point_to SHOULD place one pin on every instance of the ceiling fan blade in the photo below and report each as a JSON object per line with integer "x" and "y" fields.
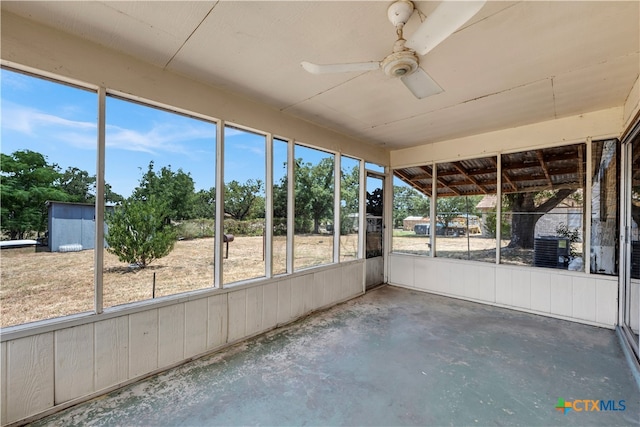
{"x": 442, "y": 22}
{"x": 421, "y": 84}
{"x": 339, "y": 68}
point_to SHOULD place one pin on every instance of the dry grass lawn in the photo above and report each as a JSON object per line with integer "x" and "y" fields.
{"x": 43, "y": 285}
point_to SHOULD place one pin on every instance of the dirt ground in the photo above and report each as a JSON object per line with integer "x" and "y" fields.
{"x": 43, "y": 285}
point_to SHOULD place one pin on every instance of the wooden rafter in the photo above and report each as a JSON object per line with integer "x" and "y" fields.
{"x": 543, "y": 165}
{"x": 463, "y": 171}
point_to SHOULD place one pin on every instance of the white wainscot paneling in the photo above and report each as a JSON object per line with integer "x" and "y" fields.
{"x": 521, "y": 278}
{"x": 541, "y": 291}
{"x": 297, "y": 298}
{"x": 423, "y": 277}
{"x": 456, "y": 273}
{"x": 143, "y": 342}
{"x": 237, "y": 314}
{"x": 561, "y": 295}
{"x": 485, "y": 287}
{"x": 318, "y": 288}
{"x": 29, "y": 376}
{"x": 468, "y": 275}
{"x": 3, "y": 383}
{"x": 284, "y": 301}
{"x": 307, "y": 284}
{"x": 443, "y": 276}
{"x": 270, "y": 305}
{"x": 606, "y": 301}
{"x": 170, "y": 334}
{"x": 255, "y": 305}
{"x": 195, "y": 327}
{"x": 635, "y": 305}
{"x": 332, "y": 286}
{"x": 504, "y": 285}
{"x": 401, "y": 270}
{"x": 584, "y": 298}
{"x": 218, "y": 319}
{"x": 111, "y": 352}
{"x": 74, "y": 374}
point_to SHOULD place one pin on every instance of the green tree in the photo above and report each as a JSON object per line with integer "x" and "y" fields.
{"x": 408, "y": 201}
{"x": 314, "y": 191}
{"x": 241, "y": 201}
{"x": 449, "y": 208}
{"x": 138, "y": 232}
{"x": 175, "y": 188}
{"x": 204, "y": 205}
{"x": 78, "y": 185}
{"x": 527, "y": 209}
{"x": 28, "y": 181}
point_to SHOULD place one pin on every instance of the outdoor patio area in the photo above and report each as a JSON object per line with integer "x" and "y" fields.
{"x": 391, "y": 357}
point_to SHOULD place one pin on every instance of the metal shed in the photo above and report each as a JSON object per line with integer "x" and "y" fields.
{"x": 71, "y": 226}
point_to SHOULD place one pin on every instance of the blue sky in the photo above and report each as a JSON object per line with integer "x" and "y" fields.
{"x": 60, "y": 122}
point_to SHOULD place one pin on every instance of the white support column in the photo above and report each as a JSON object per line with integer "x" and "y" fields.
{"x": 268, "y": 228}
{"x": 219, "y": 225}
{"x": 337, "y": 179}
{"x": 432, "y": 210}
{"x": 99, "y": 204}
{"x": 387, "y": 219}
{"x": 498, "y": 207}
{"x": 362, "y": 211}
{"x": 290, "y": 204}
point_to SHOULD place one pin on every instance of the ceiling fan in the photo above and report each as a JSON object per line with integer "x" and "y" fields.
{"x": 403, "y": 62}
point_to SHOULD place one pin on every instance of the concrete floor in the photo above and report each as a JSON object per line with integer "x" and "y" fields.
{"x": 392, "y": 357}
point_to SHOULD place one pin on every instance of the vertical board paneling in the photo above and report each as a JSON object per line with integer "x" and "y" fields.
{"x": 443, "y": 276}
{"x": 486, "y": 284}
{"x": 561, "y": 289}
{"x": 521, "y": 288}
{"x": 401, "y": 271}
{"x": 195, "y": 327}
{"x": 3, "y": 383}
{"x": 307, "y": 292}
{"x": 541, "y": 291}
{"x": 584, "y": 298}
{"x": 30, "y": 379}
{"x": 284, "y": 301}
{"x": 170, "y": 334}
{"x": 270, "y": 305}
{"x": 111, "y": 352}
{"x": 332, "y": 286}
{"x": 422, "y": 276}
{"x": 297, "y": 298}
{"x": 504, "y": 286}
{"x": 456, "y": 277}
{"x": 255, "y": 304}
{"x": 237, "y": 314}
{"x": 319, "y": 282}
{"x": 469, "y": 275}
{"x": 606, "y": 301}
{"x": 349, "y": 277}
{"x": 143, "y": 342}
{"x": 217, "y": 332}
{"x": 74, "y": 374}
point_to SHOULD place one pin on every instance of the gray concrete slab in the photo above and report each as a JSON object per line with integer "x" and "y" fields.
{"x": 392, "y": 357}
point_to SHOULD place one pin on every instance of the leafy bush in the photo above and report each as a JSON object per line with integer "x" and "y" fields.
{"x": 196, "y": 228}
{"x": 138, "y": 232}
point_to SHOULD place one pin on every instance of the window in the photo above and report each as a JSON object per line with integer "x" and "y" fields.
{"x": 314, "y": 201}
{"x": 465, "y": 209}
{"x": 244, "y": 205}
{"x": 160, "y": 171}
{"x": 49, "y": 136}
{"x": 411, "y": 211}
{"x": 542, "y": 207}
{"x": 349, "y": 207}
{"x": 604, "y": 206}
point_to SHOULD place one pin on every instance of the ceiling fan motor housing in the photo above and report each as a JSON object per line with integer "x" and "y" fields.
{"x": 400, "y": 64}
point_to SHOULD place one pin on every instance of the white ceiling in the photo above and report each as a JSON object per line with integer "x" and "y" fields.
{"x": 512, "y": 64}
